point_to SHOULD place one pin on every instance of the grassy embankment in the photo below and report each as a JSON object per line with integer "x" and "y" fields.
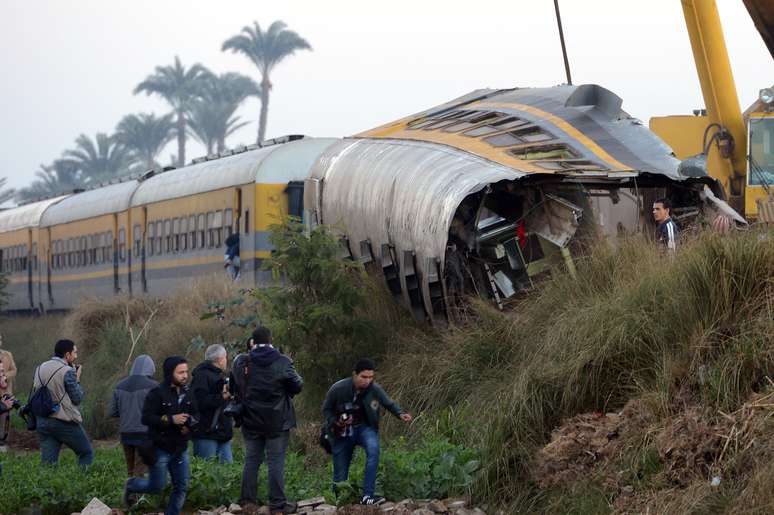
{"x": 689, "y": 342}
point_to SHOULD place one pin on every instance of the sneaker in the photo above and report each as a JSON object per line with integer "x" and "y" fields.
{"x": 291, "y": 507}
{"x": 372, "y": 500}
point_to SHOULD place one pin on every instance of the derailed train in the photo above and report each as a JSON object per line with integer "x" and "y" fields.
{"x": 480, "y": 194}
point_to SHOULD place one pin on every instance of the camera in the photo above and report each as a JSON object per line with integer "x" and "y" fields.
{"x": 29, "y": 419}
{"x": 16, "y": 404}
{"x": 191, "y": 422}
{"x": 344, "y": 417}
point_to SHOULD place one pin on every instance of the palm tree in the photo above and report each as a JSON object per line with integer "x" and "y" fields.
{"x": 145, "y": 135}
{"x": 178, "y": 86}
{"x": 99, "y": 160}
{"x": 266, "y": 50}
{"x": 61, "y": 176}
{"x": 5, "y": 195}
{"x": 211, "y": 118}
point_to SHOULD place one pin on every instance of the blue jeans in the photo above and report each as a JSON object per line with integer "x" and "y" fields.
{"x": 366, "y": 437}
{"x": 207, "y": 449}
{"x": 54, "y": 432}
{"x": 177, "y": 465}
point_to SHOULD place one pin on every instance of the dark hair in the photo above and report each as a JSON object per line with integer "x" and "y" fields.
{"x": 261, "y": 335}
{"x": 665, "y": 203}
{"x": 62, "y": 347}
{"x": 364, "y": 364}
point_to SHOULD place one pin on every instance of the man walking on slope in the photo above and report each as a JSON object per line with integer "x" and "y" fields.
{"x": 667, "y": 231}
{"x": 170, "y": 412}
{"x": 62, "y": 426}
{"x": 126, "y": 403}
{"x": 351, "y": 412}
{"x": 265, "y": 382}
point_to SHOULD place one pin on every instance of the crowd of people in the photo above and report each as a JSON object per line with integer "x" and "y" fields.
{"x": 203, "y": 405}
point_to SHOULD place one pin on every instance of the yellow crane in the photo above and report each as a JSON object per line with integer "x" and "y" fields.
{"x": 734, "y": 147}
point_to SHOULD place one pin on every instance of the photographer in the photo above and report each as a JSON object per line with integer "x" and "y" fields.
{"x": 265, "y": 381}
{"x": 170, "y": 412}
{"x": 212, "y": 436}
{"x": 62, "y": 378}
{"x": 351, "y": 412}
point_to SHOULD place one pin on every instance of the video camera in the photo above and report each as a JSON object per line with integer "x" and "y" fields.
{"x": 16, "y": 404}
{"x": 344, "y": 413}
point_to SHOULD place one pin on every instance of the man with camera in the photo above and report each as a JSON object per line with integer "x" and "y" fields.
{"x": 212, "y": 436}
{"x": 63, "y": 423}
{"x": 351, "y": 412}
{"x": 170, "y": 412}
{"x": 265, "y": 382}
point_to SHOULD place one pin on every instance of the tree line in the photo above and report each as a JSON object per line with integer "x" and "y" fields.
{"x": 203, "y": 106}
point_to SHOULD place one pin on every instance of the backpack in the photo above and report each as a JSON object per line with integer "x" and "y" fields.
{"x": 264, "y": 403}
{"x": 41, "y": 404}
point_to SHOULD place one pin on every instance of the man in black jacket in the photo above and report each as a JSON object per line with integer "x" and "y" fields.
{"x": 170, "y": 412}
{"x": 212, "y": 435}
{"x": 265, "y": 382}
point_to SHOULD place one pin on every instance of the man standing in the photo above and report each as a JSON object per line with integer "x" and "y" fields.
{"x": 351, "y": 412}
{"x": 6, "y": 358}
{"x": 6, "y": 405}
{"x": 212, "y": 435}
{"x": 63, "y": 426}
{"x": 126, "y": 403}
{"x": 169, "y": 412}
{"x": 667, "y": 231}
{"x": 266, "y": 382}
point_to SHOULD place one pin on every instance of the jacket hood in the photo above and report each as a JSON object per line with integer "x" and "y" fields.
{"x": 208, "y": 365}
{"x": 143, "y": 366}
{"x": 264, "y": 355}
{"x": 169, "y": 366}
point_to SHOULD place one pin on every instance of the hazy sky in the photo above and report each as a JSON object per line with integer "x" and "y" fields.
{"x": 69, "y": 67}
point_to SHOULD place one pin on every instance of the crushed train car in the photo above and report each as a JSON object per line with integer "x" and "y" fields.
{"x": 484, "y": 193}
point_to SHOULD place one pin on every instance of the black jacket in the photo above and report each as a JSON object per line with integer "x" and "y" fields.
{"x": 161, "y": 403}
{"x": 207, "y": 387}
{"x": 265, "y": 382}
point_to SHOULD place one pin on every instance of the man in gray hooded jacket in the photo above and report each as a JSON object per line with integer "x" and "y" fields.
{"x": 126, "y": 403}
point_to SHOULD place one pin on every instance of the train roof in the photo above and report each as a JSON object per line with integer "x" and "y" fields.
{"x": 28, "y": 215}
{"x": 541, "y": 130}
{"x": 108, "y": 199}
{"x": 242, "y": 168}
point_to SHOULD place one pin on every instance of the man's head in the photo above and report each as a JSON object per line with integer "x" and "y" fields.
{"x": 66, "y": 350}
{"x": 176, "y": 370}
{"x": 217, "y": 355}
{"x": 261, "y": 335}
{"x": 662, "y": 209}
{"x": 363, "y": 373}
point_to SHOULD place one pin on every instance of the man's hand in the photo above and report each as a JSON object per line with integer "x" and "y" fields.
{"x": 78, "y": 369}
{"x": 8, "y": 403}
{"x": 180, "y": 418}
{"x": 226, "y": 393}
{"x": 406, "y": 417}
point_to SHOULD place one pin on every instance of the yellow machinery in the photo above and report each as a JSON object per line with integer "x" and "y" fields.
{"x": 734, "y": 147}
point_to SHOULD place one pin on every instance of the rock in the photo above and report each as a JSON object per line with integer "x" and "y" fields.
{"x": 387, "y": 506}
{"x": 314, "y": 501}
{"x": 422, "y": 511}
{"x": 436, "y": 506}
{"x": 235, "y": 508}
{"x": 477, "y": 511}
{"x": 220, "y": 510}
{"x": 324, "y": 507}
{"x": 205, "y": 512}
{"x": 96, "y": 507}
{"x": 455, "y": 504}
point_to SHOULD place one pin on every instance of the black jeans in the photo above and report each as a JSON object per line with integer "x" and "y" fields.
{"x": 274, "y": 447}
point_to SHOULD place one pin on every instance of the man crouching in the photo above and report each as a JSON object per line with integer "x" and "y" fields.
{"x": 351, "y": 412}
{"x": 170, "y": 412}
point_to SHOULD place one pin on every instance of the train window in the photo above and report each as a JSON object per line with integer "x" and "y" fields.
{"x": 109, "y": 249}
{"x": 217, "y": 229}
{"x": 504, "y": 140}
{"x": 151, "y": 236}
{"x": 210, "y": 224}
{"x": 202, "y": 229}
{"x": 137, "y": 237}
{"x": 176, "y": 235}
{"x": 247, "y": 221}
{"x": 228, "y": 223}
{"x": 183, "y": 235}
{"x": 122, "y": 244}
{"x": 34, "y": 256}
{"x": 159, "y": 236}
{"x": 84, "y": 250}
{"x": 168, "y": 235}
{"x": 192, "y": 232}
{"x": 69, "y": 248}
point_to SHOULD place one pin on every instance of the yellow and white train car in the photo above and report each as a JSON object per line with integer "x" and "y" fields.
{"x": 151, "y": 234}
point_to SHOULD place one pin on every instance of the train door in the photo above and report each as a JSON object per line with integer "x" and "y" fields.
{"x": 28, "y": 269}
{"x": 146, "y": 242}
